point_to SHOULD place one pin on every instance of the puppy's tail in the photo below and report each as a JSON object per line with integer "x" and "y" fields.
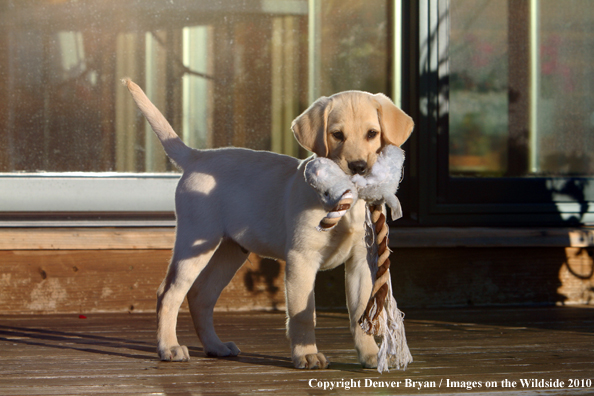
{"x": 175, "y": 148}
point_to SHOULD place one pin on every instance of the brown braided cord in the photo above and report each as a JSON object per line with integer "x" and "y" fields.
{"x": 368, "y": 320}
{"x": 334, "y": 216}
{"x": 381, "y": 318}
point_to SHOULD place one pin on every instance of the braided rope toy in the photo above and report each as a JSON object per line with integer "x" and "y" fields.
{"x": 369, "y": 320}
{"x": 381, "y": 317}
{"x": 334, "y": 216}
{"x": 337, "y": 191}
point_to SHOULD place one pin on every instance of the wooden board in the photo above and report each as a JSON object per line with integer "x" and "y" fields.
{"x": 417, "y": 237}
{"x": 118, "y": 270}
{"x": 82, "y": 281}
{"x": 86, "y": 238}
{"x": 115, "y": 354}
{"x": 93, "y": 238}
{"x": 492, "y": 276}
{"x": 56, "y": 281}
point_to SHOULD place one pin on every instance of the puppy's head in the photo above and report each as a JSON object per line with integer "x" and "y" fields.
{"x": 351, "y": 128}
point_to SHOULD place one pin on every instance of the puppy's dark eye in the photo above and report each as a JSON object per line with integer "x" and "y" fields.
{"x": 371, "y": 134}
{"x": 338, "y": 136}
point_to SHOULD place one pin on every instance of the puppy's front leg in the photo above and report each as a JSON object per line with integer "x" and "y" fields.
{"x": 358, "y": 292}
{"x": 300, "y": 275}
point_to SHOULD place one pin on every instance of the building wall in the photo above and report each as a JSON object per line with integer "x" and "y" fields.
{"x": 117, "y": 270}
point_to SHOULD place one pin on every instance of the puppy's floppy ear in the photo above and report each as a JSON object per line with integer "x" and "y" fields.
{"x": 396, "y": 124}
{"x": 310, "y": 127}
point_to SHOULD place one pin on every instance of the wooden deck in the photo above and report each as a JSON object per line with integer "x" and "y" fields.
{"x": 454, "y": 349}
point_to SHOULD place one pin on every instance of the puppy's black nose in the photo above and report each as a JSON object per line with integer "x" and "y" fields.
{"x": 358, "y": 167}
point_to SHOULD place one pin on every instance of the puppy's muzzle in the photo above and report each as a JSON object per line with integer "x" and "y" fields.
{"x": 358, "y": 167}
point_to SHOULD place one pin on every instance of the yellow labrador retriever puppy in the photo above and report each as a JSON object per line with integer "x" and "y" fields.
{"x": 232, "y": 201}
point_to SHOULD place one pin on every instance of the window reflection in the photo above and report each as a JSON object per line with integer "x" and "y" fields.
{"x": 520, "y": 88}
{"x": 565, "y": 139}
{"x": 223, "y": 73}
{"x": 478, "y": 87}
{"x": 354, "y": 51}
{"x": 229, "y": 72}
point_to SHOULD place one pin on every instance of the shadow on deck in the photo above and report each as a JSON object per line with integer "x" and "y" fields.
{"x": 455, "y": 350}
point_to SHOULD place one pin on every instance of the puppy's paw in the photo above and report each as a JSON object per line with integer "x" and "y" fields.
{"x": 311, "y": 361}
{"x": 177, "y": 353}
{"x": 368, "y": 360}
{"x": 366, "y": 348}
{"x": 234, "y": 351}
{"x": 226, "y": 349}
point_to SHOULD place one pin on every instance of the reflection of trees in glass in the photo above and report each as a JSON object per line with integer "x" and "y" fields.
{"x": 485, "y": 41}
{"x": 354, "y": 50}
{"x": 477, "y": 146}
{"x": 61, "y": 62}
{"x": 478, "y": 125}
{"x": 478, "y": 88}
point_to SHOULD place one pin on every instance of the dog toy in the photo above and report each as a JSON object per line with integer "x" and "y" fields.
{"x": 381, "y": 317}
{"x": 383, "y": 180}
{"x": 337, "y": 193}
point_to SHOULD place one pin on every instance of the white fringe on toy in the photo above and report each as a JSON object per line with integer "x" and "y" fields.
{"x": 394, "y": 350}
{"x": 389, "y": 325}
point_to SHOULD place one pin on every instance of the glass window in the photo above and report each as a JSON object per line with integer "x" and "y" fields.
{"x": 225, "y": 73}
{"x": 354, "y": 52}
{"x": 521, "y": 86}
{"x": 221, "y": 73}
{"x": 478, "y": 87}
{"x": 505, "y": 112}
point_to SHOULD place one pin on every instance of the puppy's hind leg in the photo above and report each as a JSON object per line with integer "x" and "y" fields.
{"x": 187, "y": 263}
{"x": 205, "y": 292}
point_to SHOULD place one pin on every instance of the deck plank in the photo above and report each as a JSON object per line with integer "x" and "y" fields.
{"x": 115, "y": 354}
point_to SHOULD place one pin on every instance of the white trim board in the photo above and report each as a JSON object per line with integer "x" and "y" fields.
{"x": 87, "y": 192}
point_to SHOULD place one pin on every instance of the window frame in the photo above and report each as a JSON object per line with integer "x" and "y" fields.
{"x": 115, "y": 198}
{"x": 467, "y": 201}
{"x": 419, "y": 81}
{"x": 84, "y": 198}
